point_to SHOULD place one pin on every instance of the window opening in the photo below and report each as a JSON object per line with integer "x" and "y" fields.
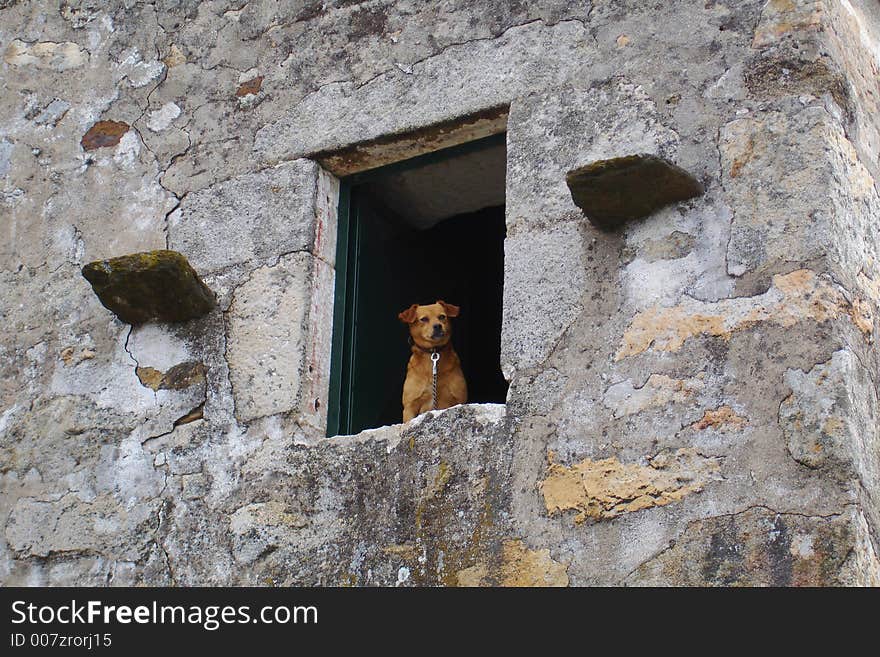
{"x": 417, "y": 231}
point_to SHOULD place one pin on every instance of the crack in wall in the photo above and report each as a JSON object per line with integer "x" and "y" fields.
{"x": 127, "y": 350}
{"x": 725, "y": 192}
{"x": 226, "y": 323}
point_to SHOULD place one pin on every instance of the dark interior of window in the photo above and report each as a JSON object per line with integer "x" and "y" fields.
{"x": 418, "y": 231}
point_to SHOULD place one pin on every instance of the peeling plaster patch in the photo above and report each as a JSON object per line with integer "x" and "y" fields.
{"x": 178, "y": 377}
{"x": 802, "y": 546}
{"x": 608, "y": 488}
{"x": 722, "y": 418}
{"x": 138, "y": 72}
{"x": 660, "y": 264}
{"x": 152, "y": 345}
{"x": 799, "y": 295}
{"x": 175, "y": 57}
{"x": 52, "y": 113}
{"x": 248, "y": 92}
{"x": 71, "y": 358}
{"x": 12, "y": 198}
{"x": 249, "y": 87}
{"x": 872, "y": 285}
{"x": 46, "y": 55}
{"x": 473, "y": 576}
{"x": 523, "y": 567}
{"x": 127, "y": 150}
{"x": 519, "y": 567}
{"x": 163, "y": 117}
{"x": 103, "y": 134}
{"x": 659, "y": 390}
{"x": 6, "y": 148}
{"x": 671, "y": 247}
{"x": 80, "y": 14}
{"x": 782, "y": 17}
{"x": 6, "y": 418}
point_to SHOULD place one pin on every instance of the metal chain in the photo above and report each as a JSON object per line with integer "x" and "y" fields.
{"x": 434, "y": 358}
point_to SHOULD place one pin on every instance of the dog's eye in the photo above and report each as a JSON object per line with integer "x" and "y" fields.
{"x": 442, "y": 317}
{"x": 424, "y": 319}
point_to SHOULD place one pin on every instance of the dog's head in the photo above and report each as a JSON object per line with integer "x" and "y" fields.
{"x": 429, "y": 325}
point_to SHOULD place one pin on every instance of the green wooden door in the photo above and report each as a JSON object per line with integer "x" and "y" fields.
{"x": 371, "y": 352}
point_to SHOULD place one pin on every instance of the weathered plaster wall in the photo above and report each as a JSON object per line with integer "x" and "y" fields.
{"x": 694, "y": 398}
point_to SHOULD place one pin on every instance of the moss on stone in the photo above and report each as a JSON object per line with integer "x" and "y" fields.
{"x": 156, "y": 286}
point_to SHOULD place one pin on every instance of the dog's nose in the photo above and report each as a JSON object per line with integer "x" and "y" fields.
{"x": 438, "y": 329}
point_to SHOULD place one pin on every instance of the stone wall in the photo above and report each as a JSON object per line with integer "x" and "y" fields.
{"x": 694, "y": 398}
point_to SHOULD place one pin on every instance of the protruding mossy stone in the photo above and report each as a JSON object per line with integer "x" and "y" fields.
{"x": 156, "y": 286}
{"x": 613, "y": 191}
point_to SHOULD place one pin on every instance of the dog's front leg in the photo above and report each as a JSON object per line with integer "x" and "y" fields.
{"x": 417, "y": 407}
{"x": 409, "y": 412}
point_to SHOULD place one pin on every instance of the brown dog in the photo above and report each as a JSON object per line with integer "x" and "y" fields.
{"x": 430, "y": 331}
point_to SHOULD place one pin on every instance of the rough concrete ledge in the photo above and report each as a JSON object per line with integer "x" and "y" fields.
{"x": 419, "y": 504}
{"x": 482, "y": 414}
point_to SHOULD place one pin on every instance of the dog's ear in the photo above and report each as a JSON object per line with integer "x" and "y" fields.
{"x": 451, "y": 310}
{"x": 408, "y": 316}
